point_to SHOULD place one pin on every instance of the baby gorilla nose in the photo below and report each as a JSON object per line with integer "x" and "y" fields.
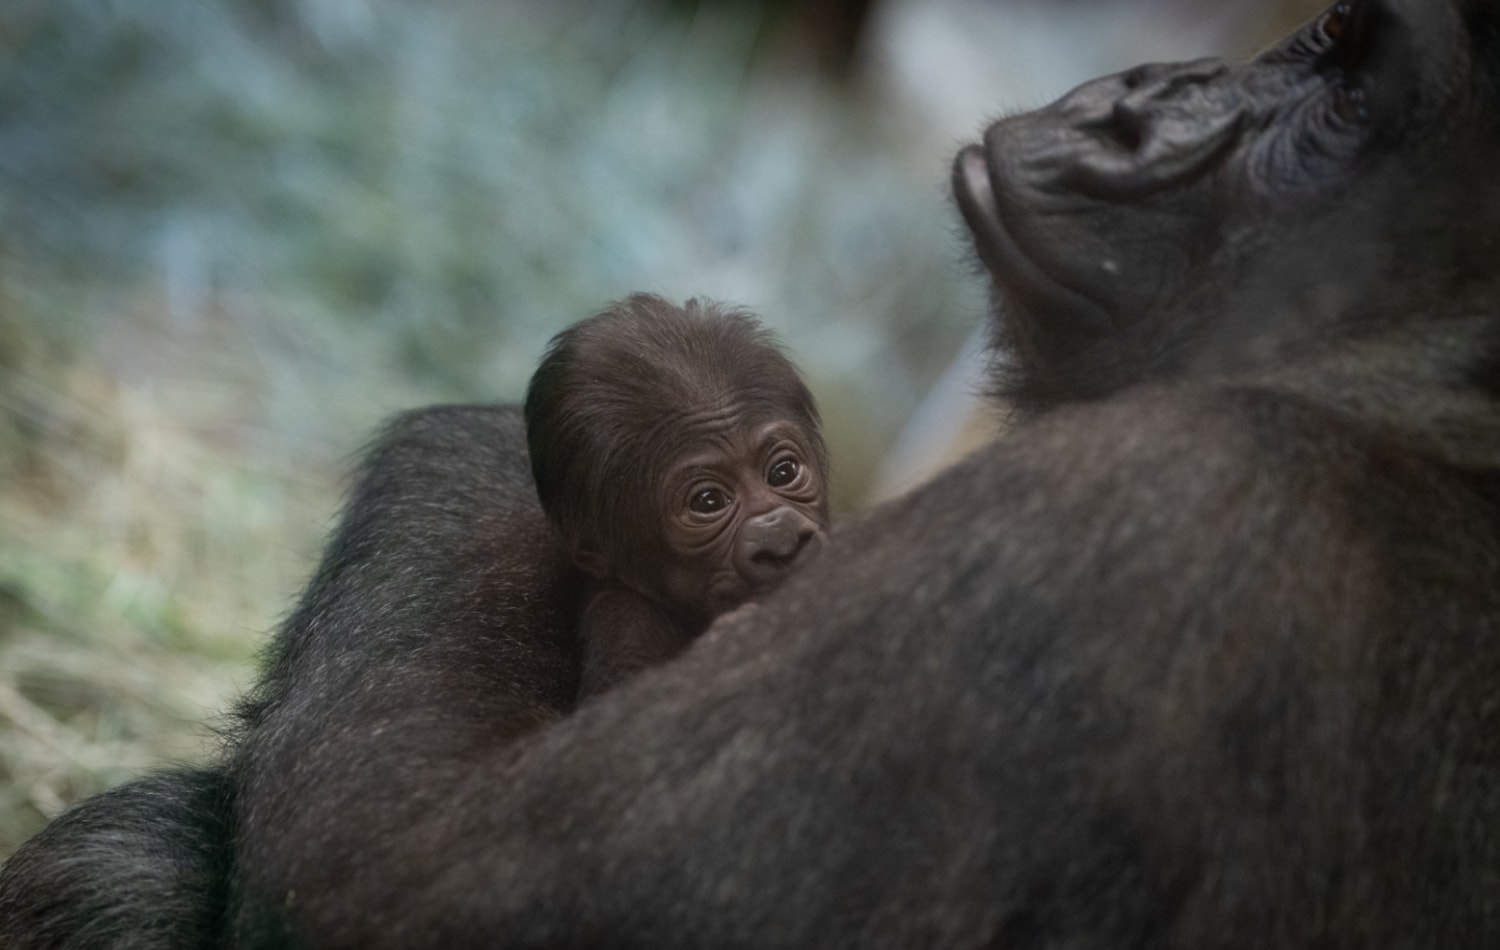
{"x": 772, "y": 542}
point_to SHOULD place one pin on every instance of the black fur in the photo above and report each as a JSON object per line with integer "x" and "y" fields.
{"x": 1202, "y": 653}
{"x": 140, "y": 867}
{"x": 438, "y": 629}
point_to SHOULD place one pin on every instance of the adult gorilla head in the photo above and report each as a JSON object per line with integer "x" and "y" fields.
{"x": 1204, "y": 216}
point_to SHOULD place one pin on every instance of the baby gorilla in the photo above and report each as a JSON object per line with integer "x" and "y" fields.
{"x": 677, "y": 452}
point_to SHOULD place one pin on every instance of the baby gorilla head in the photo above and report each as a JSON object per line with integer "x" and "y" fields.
{"x": 678, "y": 454}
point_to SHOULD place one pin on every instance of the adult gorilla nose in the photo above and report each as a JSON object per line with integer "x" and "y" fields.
{"x": 1168, "y": 96}
{"x": 1138, "y": 132}
{"x": 772, "y": 542}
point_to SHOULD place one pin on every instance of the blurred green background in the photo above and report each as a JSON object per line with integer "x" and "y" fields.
{"x": 236, "y": 234}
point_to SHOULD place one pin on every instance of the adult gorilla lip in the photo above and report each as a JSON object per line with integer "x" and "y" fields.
{"x": 976, "y": 201}
{"x": 1015, "y": 271}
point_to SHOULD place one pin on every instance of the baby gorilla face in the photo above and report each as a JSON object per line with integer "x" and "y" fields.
{"x": 677, "y": 452}
{"x": 740, "y": 505}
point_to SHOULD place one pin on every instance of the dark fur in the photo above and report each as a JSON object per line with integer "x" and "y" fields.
{"x": 437, "y": 631}
{"x": 621, "y": 633}
{"x": 607, "y": 412}
{"x": 1203, "y": 655}
{"x": 604, "y": 405}
{"x": 140, "y": 867}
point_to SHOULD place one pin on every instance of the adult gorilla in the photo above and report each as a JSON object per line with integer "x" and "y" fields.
{"x": 1202, "y": 654}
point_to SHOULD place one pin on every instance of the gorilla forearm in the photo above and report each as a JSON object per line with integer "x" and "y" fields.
{"x": 144, "y": 866}
{"x": 441, "y": 557}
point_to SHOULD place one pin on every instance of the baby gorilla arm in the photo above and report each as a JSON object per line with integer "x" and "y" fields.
{"x": 622, "y": 633}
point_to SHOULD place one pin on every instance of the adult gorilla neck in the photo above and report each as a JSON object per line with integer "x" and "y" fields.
{"x": 1431, "y": 386}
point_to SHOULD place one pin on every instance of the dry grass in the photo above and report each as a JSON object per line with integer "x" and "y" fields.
{"x": 139, "y": 564}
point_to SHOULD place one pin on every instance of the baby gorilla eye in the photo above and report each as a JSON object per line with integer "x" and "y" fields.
{"x": 708, "y": 501}
{"x": 783, "y": 473}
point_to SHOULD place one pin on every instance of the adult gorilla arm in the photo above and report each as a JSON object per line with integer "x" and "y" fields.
{"x": 437, "y": 629}
{"x": 1223, "y": 744}
{"x": 144, "y": 866}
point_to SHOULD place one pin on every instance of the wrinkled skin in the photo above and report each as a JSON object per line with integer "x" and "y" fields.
{"x": 1256, "y": 200}
{"x": 678, "y": 454}
{"x": 739, "y": 505}
{"x": 1202, "y": 653}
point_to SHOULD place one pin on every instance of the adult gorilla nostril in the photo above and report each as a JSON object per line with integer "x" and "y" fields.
{"x": 1136, "y": 78}
{"x": 1129, "y": 123}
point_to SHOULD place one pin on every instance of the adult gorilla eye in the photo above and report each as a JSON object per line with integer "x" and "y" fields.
{"x": 708, "y": 501}
{"x": 1336, "y": 21}
{"x": 1349, "y": 104}
{"x": 783, "y": 473}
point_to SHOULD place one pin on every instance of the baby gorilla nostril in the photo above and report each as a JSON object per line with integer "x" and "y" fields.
{"x": 772, "y": 535}
{"x": 783, "y": 549}
{"x": 770, "y": 543}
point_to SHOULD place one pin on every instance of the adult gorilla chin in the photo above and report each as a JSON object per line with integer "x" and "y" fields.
{"x": 1202, "y": 654}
